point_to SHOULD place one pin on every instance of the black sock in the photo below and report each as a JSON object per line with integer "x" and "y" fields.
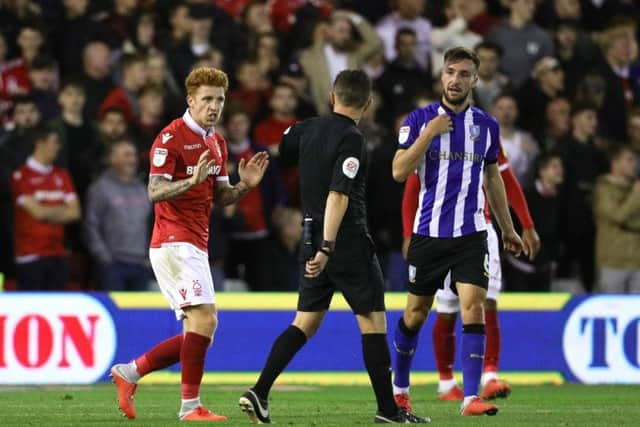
{"x": 284, "y": 348}
{"x": 378, "y": 362}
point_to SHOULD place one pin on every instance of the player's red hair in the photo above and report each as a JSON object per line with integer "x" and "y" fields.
{"x": 205, "y": 76}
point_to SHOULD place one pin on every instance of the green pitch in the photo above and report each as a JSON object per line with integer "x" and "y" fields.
{"x": 566, "y": 405}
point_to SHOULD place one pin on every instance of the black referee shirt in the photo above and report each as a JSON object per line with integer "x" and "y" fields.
{"x": 330, "y": 152}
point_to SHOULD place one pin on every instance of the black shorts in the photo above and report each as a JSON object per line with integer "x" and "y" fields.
{"x": 431, "y": 258}
{"x": 352, "y": 269}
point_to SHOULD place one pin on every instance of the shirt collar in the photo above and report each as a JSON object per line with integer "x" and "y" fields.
{"x": 449, "y": 110}
{"x": 37, "y": 166}
{"x": 344, "y": 117}
{"x": 191, "y": 123}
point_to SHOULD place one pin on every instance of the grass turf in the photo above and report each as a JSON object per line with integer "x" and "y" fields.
{"x": 548, "y": 405}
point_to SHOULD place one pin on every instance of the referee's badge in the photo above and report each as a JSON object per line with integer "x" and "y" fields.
{"x": 474, "y": 132}
{"x": 412, "y": 274}
{"x": 350, "y": 167}
{"x": 159, "y": 156}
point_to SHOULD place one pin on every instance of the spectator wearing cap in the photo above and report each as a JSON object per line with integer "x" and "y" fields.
{"x": 324, "y": 60}
{"x": 522, "y": 41}
{"x": 583, "y": 163}
{"x": 43, "y": 76}
{"x": 546, "y": 82}
{"x": 617, "y": 213}
{"x": 407, "y": 14}
{"x": 97, "y": 81}
{"x": 403, "y": 77}
{"x": 293, "y": 76}
{"x": 125, "y": 97}
{"x": 621, "y": 73}
{"x": 491, "y": 82}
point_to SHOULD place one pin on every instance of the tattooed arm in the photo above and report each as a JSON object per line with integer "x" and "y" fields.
{"x": 160, "y": 188}
{"x": 227, "y": 194}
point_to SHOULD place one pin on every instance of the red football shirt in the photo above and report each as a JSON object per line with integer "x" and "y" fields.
{"x": 174, "y": 154}
{"x": 51, "y": 186}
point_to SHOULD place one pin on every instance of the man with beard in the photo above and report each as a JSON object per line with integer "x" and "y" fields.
{"x": 453, "y": 146}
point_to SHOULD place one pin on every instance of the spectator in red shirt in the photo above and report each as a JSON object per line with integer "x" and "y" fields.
{"x": 14, "y": 79}
{"x": 45, "y": 200}
{"x": 134, "y": 77}
{"x": 249, "y": 245}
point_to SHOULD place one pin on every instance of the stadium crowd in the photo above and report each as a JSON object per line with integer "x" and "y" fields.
{"x": 85, "y": 88}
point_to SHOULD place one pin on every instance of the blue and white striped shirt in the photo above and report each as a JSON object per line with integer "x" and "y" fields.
{"x": 451, "y": 199}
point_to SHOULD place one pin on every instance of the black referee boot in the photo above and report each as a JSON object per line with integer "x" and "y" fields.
{"x": 402, "y": 417}
{"x": 256, "y": 409}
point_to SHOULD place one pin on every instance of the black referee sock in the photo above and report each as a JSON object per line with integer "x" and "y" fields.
{"x": 284, "y": 348}
{"x": 378, "y": 362}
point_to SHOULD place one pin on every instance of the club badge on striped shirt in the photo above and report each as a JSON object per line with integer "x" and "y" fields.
{"x": 474, "y": 132}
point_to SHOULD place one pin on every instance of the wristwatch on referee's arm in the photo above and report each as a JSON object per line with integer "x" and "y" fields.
{"x": 327, "y": 247}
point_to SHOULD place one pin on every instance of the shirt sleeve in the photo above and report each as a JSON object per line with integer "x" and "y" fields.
{"x": 20, "y": 187}
{"x": 408, "y": 132}
{"x": 289, "y": 145}
{"x": 410, "y": 204}
{"x": 494, "y": 142}
{"x": 224, "y": 174}
{"x": 162, "y": 158}
{"x": 348, "y": 163}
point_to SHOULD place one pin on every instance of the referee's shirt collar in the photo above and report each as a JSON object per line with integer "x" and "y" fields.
{"x": 344, "y": 117}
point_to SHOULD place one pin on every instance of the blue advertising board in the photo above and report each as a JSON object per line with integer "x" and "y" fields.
{"x": 75, "y": 337}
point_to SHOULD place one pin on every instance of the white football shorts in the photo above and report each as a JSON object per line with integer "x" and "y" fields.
{"x": 448, "y": 301}
{"x": 183, "y": 275}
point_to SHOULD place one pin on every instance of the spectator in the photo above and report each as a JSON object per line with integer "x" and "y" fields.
{"x": 293, "y": 75}
{"x": 557, "y": 124}
{"x": 634, "y": 135}
{"x": 180, "y": 25}
{"x": 323, "y": 61}
{"x": 622, "y": 79}
{"x": 16, "y": 143}
{"x": 491, "y": 82}
{"x": 143, "y": 38}
{"x": 519, "y": 145}
{"x": 523, "y": 43}
{"x": 119, "y": 20}
{"x": 44, "y": 200}
{"x": 407, "y": 14}
{"x": 253, "y": 88}
{"x": 14, "y": 79}
{"x": 284, "y": 271}
{"x": 479, "y": 19}
{"x": 546, "y": 82}
{"x": 265, "y": 54}
{"x": 617, "y": 213}
{"x": 283, "y": 104}
{"x": 43, "y": 78}
{"x": 403, "y": 77}
{"x": 117, "y": 222}
{"x": 454, "y": 33}
{"x": 545, "y": 205}
{"x": 148, "y": 125}
{"x": 583, "y": 163}
{"x": 575, "y": 51}
{"x": 30, "y": 41}
{"x": 112, "y": 127}
{"x": 159, "y": 74}
{"x": 80, "y": 148}
{"x": 125, "y": 97}
{"x": 248, "y": 246}
{"x": 195, "y": 44}
{"x": 96, "y": 65}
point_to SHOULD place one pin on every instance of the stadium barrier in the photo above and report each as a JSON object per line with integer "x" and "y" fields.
{"x": 73, "y": 338}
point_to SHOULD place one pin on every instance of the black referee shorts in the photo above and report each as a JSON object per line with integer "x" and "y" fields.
{"x": 431, "y": 258}
{"x": 352, "y": 269}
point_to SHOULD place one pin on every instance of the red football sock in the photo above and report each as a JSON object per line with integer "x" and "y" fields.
{"x": 492, "y": 351}
{"x": 444, "y": 346}
{"x": 192, "y": 354}
{"x": 165, "y": 354}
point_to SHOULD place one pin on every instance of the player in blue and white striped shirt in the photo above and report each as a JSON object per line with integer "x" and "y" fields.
{"x": 454, "y": 148}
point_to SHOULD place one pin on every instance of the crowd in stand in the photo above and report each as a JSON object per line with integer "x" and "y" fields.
{"x": 86, "y": 87}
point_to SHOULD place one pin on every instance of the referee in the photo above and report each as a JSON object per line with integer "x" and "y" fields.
{"x": 337, "y": 250}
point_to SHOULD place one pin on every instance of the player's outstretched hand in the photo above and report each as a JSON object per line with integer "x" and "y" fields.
{"x": 201, "y": 170}
{"x": 512, "y": 242}
{"x": 251, "y": 172}
{"x": 439, "y": 125}
{"x": 315, "y": 265}
{"x": 531, "y": 243}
